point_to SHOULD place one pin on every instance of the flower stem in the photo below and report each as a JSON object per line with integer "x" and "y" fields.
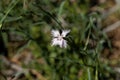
{"x": 50, "y": 15}
{"x": 96, "y": 74}
{"x": 89, "y": 73}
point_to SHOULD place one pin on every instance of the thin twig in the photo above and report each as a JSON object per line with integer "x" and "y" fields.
{"x": 110, "y": 11}
{"x": 21, "y": 70}
{"x": 112, "y": 27}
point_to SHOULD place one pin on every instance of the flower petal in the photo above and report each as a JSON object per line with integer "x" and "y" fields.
{"x": 55, "y": 33}
{"x": 55, "y": 41}
{"x": 64, "y": 44}
{"x": 65, "y": 32}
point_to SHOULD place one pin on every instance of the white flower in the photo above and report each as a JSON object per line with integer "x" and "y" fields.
{"x": 58, "y": 38}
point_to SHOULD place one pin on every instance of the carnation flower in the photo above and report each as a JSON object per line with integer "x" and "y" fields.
{"x": 58, "y": 38}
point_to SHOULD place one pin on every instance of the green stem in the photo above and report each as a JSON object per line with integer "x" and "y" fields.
{"x": 50, "y": 15}
{"x": 89, "y": 74}
{"x": 87, "y": 40}
{"x": 3, "y": 18}
{"x": 97, "y": 64}
{"x": 96, "y": 74}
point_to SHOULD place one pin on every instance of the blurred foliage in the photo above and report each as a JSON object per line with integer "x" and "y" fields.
{"x": 27, "y": 24}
